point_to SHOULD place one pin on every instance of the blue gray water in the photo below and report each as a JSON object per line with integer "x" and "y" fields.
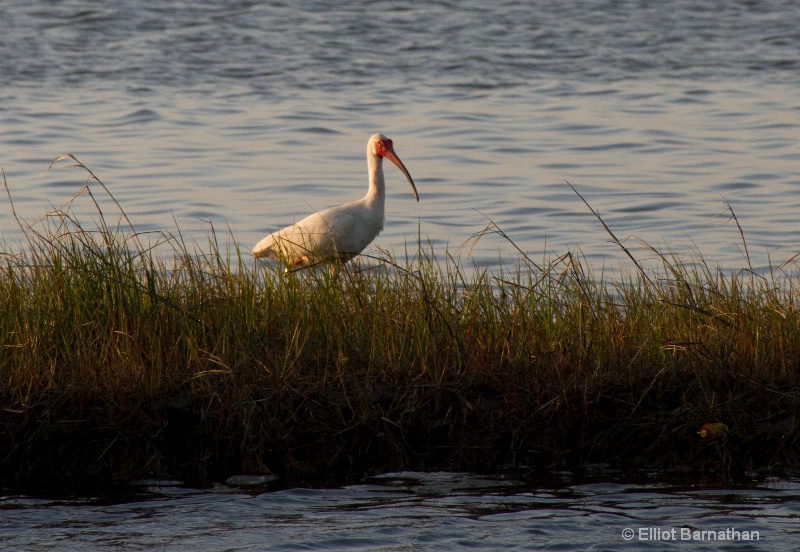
{"x": 247, "y": 115}
{"x": 250, "y": 115}
{"x": 415, "y": 511}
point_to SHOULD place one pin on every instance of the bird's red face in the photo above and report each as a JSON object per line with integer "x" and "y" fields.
{"x": 382, "y": 146}
{"x": 385, "y": 148}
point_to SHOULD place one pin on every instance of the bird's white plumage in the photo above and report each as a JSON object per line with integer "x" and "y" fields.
{"x": 337, "y": 234}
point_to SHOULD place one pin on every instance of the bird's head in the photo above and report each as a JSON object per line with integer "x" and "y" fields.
{"x": 382, "y": 147}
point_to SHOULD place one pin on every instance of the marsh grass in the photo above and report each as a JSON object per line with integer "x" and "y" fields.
{"x": 121, "y": 361}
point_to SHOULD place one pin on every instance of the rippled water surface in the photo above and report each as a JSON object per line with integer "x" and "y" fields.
{"x": 415, "y": 511}
{"x": 251, "y": 115}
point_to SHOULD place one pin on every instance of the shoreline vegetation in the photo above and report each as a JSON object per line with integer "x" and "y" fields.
{"x": 119, "y": 363}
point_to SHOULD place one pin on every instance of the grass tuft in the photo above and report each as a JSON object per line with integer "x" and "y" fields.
{"x": 118, "y": 360}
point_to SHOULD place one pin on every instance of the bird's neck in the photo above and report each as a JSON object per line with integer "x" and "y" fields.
{"x": 377, "y": 187}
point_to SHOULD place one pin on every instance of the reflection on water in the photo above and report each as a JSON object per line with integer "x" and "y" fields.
{"x": 415, "y": 511}
{"x": 253, "y": 115}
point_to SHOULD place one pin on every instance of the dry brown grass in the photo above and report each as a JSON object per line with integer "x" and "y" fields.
{"x": 120, "y": 362}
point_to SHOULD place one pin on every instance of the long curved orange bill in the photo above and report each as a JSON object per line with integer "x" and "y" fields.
{"x": 392, "y": 156}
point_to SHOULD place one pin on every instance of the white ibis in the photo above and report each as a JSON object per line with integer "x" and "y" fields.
{"x": 337, "y": 234}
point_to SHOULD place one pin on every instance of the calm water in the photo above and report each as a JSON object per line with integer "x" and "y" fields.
{"x": 249, "y": 115}
{"x": 414, "y": 511}
{"x": 253, "y": 114}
